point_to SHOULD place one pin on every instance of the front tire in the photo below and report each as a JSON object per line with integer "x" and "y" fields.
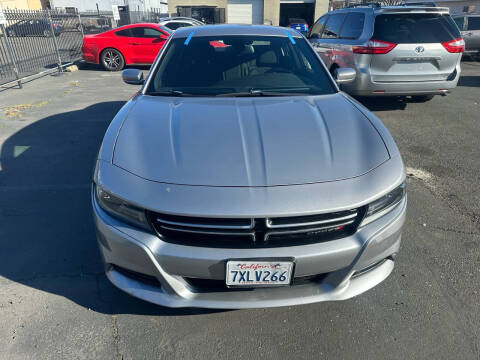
{"x": 112, "y": 60}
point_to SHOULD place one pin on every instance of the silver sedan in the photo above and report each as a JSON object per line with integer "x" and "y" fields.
{"x": 240, "y": 177}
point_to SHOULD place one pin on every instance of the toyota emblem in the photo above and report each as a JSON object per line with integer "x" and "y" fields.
{"x": 419, "y": 49}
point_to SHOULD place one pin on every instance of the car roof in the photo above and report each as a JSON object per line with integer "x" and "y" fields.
{"x": 142, "y": 24}
{"x": 376, "y": 8}
{"x": 178, "y": 18}
{"x": 130, "y": 26}
{"x": 229, "y": 29}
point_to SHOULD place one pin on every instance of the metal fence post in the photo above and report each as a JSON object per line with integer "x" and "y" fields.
{"x": 60, "y": 69}
{"x": 10, "y": 54}
{"x": 80, "y": 25}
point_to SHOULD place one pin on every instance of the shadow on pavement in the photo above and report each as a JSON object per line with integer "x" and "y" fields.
{"x": 82, "y": 65}
{"x": 381, "y": 103}
{"x": 469, "y": 81}
{"x": 47, "y": 238}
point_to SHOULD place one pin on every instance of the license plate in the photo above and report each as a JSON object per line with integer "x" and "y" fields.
{"x": 258, "y": 273}
{"x": 298, "y": 28}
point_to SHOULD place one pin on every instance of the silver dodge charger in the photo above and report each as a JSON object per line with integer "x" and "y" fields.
{"x": 239, "y": 176}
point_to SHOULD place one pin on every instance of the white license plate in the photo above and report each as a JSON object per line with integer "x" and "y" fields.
{"x": 258, "y": 273}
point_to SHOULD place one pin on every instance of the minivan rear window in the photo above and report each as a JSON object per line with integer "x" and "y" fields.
{"x": 415, "y": 28}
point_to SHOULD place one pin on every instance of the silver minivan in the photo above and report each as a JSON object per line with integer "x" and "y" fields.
{"x": 395, "y": 50}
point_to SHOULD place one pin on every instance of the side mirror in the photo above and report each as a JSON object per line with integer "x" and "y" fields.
{"x": 163, "y": 37}
{"x": 314, "y": 36}
{"x": 344, "y": 75}
{"x": 133, "y": 76}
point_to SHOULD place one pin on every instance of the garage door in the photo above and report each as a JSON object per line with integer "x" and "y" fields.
{"x": 245, "y": 11}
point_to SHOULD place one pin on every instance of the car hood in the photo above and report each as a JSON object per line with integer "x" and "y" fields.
{"x": 247, "y": 141}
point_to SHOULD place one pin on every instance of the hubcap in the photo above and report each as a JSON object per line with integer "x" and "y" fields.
{"x": 112, "y": 59}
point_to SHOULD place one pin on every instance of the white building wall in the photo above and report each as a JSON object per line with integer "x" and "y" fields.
{"x": 106, "y": 5}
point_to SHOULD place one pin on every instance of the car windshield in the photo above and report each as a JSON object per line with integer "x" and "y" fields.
{"x": 239, "y": 65}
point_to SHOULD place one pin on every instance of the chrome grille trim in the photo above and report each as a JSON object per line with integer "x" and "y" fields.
{"x": 299, "y": 231}
{"x": 207, "y": 226}
{"x": 206, "y": 232}
{"x": 311, "y": 223}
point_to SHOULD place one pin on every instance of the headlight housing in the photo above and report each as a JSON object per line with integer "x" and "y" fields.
{"x": 120, "y": 208}
{"x": 384, "y": 204}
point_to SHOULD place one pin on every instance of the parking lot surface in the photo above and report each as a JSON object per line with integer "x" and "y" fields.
{"x": 56, "y": 303}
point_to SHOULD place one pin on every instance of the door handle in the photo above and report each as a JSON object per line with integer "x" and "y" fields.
{"x": 135, "y": 43}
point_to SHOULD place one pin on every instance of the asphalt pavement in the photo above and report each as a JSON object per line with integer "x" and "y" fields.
{"x": 55, "y": 302}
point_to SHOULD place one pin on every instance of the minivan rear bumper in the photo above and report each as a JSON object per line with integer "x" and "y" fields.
{"x": 363, "y": 85}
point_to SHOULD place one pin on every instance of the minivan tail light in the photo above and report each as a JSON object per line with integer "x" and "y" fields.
{"x": 454, "y": 46}
{"x": 373, "y": 46}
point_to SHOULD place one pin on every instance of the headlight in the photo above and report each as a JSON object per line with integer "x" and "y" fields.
{"x": 386, "y": 203}
{"x": 120, "y": 208}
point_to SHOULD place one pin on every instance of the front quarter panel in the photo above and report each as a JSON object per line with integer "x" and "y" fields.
{"x": 108, "y": 144}
{"x": 379, "y": 126}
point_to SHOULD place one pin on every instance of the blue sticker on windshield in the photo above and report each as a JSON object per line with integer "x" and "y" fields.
{"x": 188, "y": 38}
{"x": 290, "y": 37}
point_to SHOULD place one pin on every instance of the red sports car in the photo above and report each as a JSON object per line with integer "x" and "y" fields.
{"x": 126, "y": 45}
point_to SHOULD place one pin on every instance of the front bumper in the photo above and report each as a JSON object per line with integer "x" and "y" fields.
{"x": 343, "y": 262}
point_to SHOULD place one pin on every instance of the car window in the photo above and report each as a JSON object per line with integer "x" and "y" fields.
{"x": 353, "y": 26}
{"x": 184, "y": 24}
{"x": 124, "y": 32}
{"x": 146, "y": 32}
{"x": 173, "y": 25}
{"x": 317, "y": 28}
{"x": 220, "y": 65}
{"x": 415, "y": 28}
{"x": 460, "y": 21}
{"x": 473, "y": 23}
{"x": 333, "y": 25}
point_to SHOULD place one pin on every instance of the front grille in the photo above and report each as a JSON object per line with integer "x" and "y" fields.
{"x": 255, "y": 232}
{"x": 209, "y": 285}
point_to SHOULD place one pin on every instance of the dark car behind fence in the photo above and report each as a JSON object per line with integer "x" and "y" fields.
{"x": 35, "y": 41}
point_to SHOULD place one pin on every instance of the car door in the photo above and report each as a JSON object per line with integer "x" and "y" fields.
{"x": 350, "y": 32}
{"x": 315, "y": 36}
{"x": 121, "y": 40}
{"x": 472, "y": 34}
{"x": 146, "y": 42}
{"x": 330, "y": 38}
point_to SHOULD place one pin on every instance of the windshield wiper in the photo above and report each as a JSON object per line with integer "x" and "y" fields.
{"x": 173, "y": 93}
{"x": 258, "y": 92}
{"x": 166, "y": 93}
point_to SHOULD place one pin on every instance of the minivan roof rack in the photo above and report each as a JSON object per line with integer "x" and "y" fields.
{"x": 372, "y": 4}
{"x": 419, "y": 3}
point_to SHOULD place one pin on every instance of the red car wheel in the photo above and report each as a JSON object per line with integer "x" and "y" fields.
{"x": 112, "y": 59}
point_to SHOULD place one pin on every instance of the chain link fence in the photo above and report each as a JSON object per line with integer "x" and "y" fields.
{"x": 35, "y": 41}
